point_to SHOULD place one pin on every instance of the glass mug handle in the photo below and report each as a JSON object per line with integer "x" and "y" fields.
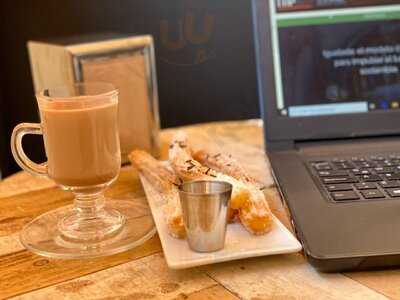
{"x": 18, "y": 152}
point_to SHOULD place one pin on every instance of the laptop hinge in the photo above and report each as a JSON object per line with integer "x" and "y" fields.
{"x": 275, "y": 146}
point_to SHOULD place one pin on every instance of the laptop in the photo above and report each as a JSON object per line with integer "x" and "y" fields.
{"x": 329, "y": 88}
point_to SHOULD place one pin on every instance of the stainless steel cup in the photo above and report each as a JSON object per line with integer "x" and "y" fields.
{"x": 205, "y": 213}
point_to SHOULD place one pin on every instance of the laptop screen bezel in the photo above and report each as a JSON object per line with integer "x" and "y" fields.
{"x": 283, "y": 128}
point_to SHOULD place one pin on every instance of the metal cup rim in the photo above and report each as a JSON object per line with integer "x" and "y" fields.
{"x": 228, "y": 188}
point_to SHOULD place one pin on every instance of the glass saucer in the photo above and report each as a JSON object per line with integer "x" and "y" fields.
{"x": 42, "y": 235}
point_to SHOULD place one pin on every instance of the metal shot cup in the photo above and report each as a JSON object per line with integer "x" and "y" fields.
{"x": 205, "y": 213}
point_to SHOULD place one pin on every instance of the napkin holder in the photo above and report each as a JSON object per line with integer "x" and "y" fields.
{"x": 126, "y": 61}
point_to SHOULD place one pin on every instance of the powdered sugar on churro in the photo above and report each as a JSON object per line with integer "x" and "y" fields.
{"x": 254, "y": 212}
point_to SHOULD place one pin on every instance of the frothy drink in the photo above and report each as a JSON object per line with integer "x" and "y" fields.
{"x": 82, "y": 144}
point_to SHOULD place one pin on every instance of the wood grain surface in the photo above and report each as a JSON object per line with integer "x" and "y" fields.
{"x": 142, "y": 273}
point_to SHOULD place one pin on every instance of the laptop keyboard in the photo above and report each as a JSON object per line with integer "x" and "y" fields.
{"x": 359, "y": 178}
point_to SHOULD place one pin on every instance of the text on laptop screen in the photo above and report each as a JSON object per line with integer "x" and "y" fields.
{"x": 336, "y": 56}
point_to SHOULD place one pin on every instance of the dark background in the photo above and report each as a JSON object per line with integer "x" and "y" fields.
{"x": 309, "y": 78}
{"x": 211, "y": 77}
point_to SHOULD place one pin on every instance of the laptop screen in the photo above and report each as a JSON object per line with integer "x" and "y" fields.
{"x": 336, "y": 56}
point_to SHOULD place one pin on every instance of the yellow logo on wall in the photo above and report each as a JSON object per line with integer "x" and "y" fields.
{"x": 394, "y": 104}
{"x": 188, "y": 40}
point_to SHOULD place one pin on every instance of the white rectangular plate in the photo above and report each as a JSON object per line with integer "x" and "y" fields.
{"x": 239, "y": 243}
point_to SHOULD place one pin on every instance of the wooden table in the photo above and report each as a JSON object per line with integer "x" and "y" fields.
{"x": 142, "y": 273}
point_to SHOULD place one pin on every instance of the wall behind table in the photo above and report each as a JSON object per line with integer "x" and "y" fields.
{"x": 204, "y": 49}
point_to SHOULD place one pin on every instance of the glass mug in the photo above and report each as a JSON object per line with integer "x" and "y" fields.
{"x": 80, "y": 131}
